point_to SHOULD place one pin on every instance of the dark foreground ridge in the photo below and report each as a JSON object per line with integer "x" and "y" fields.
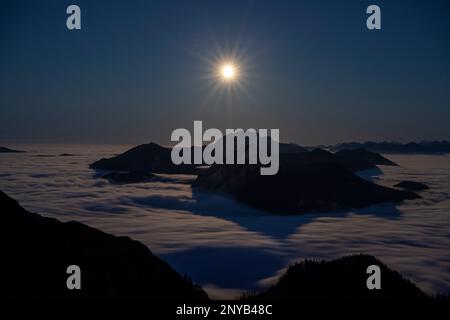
{"x": 36, "y": 252}
{"x": 340, "y": 279}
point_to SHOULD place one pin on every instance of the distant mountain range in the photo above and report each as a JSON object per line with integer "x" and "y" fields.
{"x": 424, "y": 147}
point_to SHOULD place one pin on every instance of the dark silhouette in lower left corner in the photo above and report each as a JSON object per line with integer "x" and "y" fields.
{"x": 36, "y": 252}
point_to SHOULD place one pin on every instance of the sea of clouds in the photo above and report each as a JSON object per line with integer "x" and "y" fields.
{"x": 226, "y": 246}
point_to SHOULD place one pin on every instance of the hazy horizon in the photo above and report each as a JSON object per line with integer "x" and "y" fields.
{"x": 170, "y": 144}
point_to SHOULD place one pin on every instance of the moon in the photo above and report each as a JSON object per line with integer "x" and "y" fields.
{"x": 228, "y": 72}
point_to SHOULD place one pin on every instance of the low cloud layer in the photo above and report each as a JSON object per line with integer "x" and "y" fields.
{"x": 227, "y": 246}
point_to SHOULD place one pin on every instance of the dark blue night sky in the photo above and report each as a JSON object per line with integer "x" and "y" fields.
{"x": 139, "y": 69}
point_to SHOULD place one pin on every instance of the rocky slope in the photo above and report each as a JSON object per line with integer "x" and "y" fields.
{"x": 36, "y": 252}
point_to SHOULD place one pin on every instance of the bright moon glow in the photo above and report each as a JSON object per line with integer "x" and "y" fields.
{"x": 228, "y": 72}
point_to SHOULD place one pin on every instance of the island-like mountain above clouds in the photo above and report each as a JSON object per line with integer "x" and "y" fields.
{"x": 311, "y": 182}
{"x": 153, "y": 158}
{"x": 145, "y": 158}
{"x": 308, "y": 181}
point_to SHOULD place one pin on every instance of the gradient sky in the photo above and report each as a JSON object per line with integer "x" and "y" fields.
{"x": 139, "y": 69}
